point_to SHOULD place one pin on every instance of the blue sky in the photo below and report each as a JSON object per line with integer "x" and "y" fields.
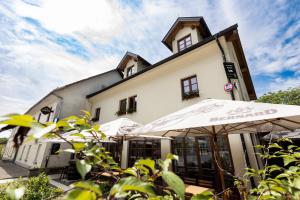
{"x": 48, "y": 43}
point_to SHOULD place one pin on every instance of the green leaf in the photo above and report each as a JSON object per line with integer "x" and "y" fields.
{"x": 78, "y": 194}
{"x": 62, "y": 123}
{"x": 83, "y": 168}
{"x": 88, "y": 185}
{"x": 15, "y": 194}
{"x": 172, "y": 157}
{"x": 148, "y": 163}
{"x": 206, "y": 195}
{"x": 174, "y": 182}
{"x": 78, "y": 135}
{"x": 19, "y": 120}
{"x": 296, "y": 183}
{"x": 131, "y": 171}
{"x": 288, "y": 159}
{"x": 275, "y": 145}
{"x": 79, "y": 146}
{"x": 128, "y": 184}
{"x": 292, "y": 146}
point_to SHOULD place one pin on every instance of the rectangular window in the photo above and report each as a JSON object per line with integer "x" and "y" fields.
{"x": 22, "y": 153}
{"x": 37, "y": 153}
{"x": 55, "y": 148}
{"x": 189, "y": 87}
{"x": 142, "y": 149}
{"x": 122, "y": 107}
{"x": 39, "y": 118}
{"x": 132, "y": 104}
{"x": 28, "y": 151}
{"x": 130, "y": 71}
{"x": 97, "y": 115}
{"x": 184, "y": 43}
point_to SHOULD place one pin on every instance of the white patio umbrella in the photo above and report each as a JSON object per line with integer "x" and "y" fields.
{"x": 122, "y": 127}
{"x": 284, "y": 134}
{"x": 215, "y": 117}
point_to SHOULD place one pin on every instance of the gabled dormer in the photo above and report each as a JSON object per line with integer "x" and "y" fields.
{"x": 185, "y": 32}
{"x": 132, "y": 63}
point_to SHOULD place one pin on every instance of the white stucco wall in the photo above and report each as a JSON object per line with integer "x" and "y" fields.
{"x": 159, "y": 92}
{"x": 186, "y": 30}
{"x": 65, "y": 102}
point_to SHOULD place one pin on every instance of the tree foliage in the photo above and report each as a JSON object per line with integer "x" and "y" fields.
{"x": 290, "y": 97}
{"x": 147, "y": 179}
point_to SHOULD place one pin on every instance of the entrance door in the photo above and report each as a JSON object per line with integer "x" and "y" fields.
{"x": 204, "y": 148}
{"x": 195, "y": 164}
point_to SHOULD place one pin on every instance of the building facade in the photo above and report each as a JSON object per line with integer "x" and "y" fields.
{"x": 63, "y": 102}
{"x": 193, "y": 73}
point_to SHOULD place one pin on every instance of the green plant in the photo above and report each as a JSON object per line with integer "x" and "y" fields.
{"x": 276, "y": 181}
{"x": 290, "y": 96}
{"x": 147, "y": 179}
{"x": 38, "y": 188}
{"x": 35, "y": 188}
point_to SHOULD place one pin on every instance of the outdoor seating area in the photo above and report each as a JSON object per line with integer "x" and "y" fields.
{"x": 198, "y": 135}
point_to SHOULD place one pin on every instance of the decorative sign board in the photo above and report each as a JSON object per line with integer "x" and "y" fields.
{"x": 230, "y": 70}
{"x": 228, "y": 87}
{"x": 46, "y": 110}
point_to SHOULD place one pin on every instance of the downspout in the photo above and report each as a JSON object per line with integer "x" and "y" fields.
{"x": 233, "y": 98}
{"x": 224, "y": 60}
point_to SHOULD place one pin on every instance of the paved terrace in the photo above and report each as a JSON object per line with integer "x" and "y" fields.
{"x": 9, "y": 170}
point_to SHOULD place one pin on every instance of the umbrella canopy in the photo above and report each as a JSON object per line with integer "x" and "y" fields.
{"x": 119, "y": 127}
{"x": 284, "y": 134}
{"x": 225, "y": 116}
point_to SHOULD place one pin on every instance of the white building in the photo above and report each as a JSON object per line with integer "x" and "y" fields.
{"x": 195, "y": 71}
{"x": 63, "y": 102}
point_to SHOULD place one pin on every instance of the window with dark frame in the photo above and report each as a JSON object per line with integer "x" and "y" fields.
{"x": 55, "y": 148}
{"x": 122, "y": 107}
{"x": 130, "y": 71}
{"x": 97, "y": 115}
{"x": 184, "y": 43}
{"x": 189, "y": 87}
{"x": 132, "y": 104}
{"x": 195, "y": 162}
{"x": 142, "y": 149}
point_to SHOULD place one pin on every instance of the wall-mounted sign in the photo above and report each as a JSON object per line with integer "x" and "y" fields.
{"x": 230, "y": 70}
{"x": 228, "y": 87}
{"x": 46, "y": 110}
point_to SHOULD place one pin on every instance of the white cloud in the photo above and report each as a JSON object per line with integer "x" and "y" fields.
{"x": 32, "y": 64}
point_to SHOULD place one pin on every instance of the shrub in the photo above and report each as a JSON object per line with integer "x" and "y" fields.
{"x": 36, "y": 188}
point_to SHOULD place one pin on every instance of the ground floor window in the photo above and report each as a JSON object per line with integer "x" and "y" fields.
{"x": 139, "y": 149}
{"x": 115, "y": 149}
{"x": 196, "y": 164}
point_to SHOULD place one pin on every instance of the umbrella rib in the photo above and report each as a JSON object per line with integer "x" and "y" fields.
{"x": 232, "y": 127}
{"x": 245, "y": 126}
{"x": 290, "y": 120}
{"x": 202, "y": 129}
{"x": 279, "y": 125}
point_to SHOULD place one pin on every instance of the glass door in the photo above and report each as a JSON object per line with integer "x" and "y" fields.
{"x": 204, "y": 148}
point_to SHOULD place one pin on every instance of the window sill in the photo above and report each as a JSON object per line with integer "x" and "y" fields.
{"x": 130, "y": 111}
{"x": 119, "y": 113}
{"x": 95, "y": 120}
{"x": 190, "y": 96}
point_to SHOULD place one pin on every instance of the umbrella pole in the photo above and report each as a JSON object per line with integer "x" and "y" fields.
{"x": 217, "y": 160}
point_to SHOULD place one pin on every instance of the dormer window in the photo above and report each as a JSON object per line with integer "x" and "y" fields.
{"x": 132, "y": 63}
{"x": 185, "y": 32}
{"x": 184, "y": 43}
{"x": 130, "y": 71}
